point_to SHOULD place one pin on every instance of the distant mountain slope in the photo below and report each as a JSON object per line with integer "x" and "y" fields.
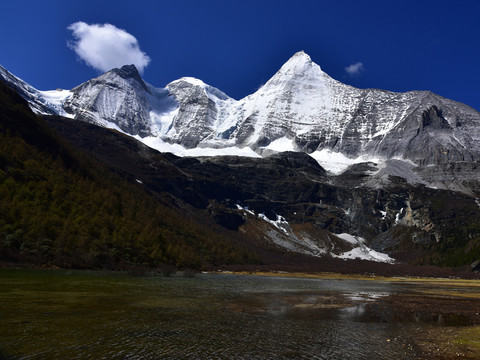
{"x": 332, "y": 173}
{"x": 127, "y": 205}
{"x": 287, "y": 201}
{"x": 59, "y": 207}
{"x": 67, "y": 208}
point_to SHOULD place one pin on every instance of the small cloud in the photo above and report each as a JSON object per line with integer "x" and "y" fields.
{"x": 104, "y": 46}
{"x": 355, "y": 69}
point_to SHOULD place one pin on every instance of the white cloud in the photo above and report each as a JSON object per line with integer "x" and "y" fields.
{"x": 104, "y": 46}
{"x": 355, "y": 69}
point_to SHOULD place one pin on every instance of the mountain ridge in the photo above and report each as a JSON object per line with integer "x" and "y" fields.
{"x": 286, "y": 205}
{"x": 300, "y": 108}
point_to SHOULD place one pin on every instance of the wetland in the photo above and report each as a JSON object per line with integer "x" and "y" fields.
{"x": 62, "y": 314}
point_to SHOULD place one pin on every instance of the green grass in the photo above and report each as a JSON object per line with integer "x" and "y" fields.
{"x": 469, "y": 338}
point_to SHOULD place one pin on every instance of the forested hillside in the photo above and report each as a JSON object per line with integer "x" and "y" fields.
{"x": 59, "y": 207}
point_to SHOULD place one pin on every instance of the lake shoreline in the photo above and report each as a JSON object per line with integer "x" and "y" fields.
{"x": 372, "y": 277}
{"x": 366, "y": 271}
{"x": 446, "y": 309}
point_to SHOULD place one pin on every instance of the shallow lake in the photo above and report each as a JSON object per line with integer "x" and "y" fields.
{"x": 90, "y": 315}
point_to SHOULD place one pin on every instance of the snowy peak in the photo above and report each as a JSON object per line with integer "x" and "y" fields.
{"x": 300, "y": 108}
{"x": 189, "y": 80}
{"x": 299, "y": 105}
{"x": 299, "y": 66}
{"x": 301, "y": 55}
{"x": 127, "y": 71}
{"x": 117, "y": 99}
{"x": 192, "y": 83}
{"x": 130, "y": 72}
{"x": 300, "y": 63}
{"x": 127, "y": 75}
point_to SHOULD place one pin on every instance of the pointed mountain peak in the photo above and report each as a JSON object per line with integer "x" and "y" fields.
{"x": 301, "y": 56}
{"x": 299, "y": 66}
{"x": 129, "y": 72}
{"x": 299, "y": 59}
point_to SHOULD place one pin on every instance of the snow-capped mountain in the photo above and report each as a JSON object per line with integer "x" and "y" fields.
{"x": 389, "y": 157}
{"x": 300, "y": 108}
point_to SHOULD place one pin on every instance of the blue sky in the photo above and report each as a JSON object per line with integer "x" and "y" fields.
{"x": 238, "y": 45}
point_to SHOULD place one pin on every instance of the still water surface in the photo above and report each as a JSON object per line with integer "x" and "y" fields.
{"x": 79, "y": 315}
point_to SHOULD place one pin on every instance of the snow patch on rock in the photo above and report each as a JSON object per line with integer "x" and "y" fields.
{"x": 281, "y": 145}
{"x": 337, "y": 163}
{"x": 361, "y": 251}
{"x": 55, "y": 99}
{"x": 280, "y": 223}
{"x": 158, "y": 144}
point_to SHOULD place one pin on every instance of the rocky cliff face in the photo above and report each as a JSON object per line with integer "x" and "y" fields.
{"x": 300, "y": 108}
{"x": 199, "y": 108}
{"x": 119, "y": 98}
{"x": 403, "y": 176}
{"x": 287, "y": 201}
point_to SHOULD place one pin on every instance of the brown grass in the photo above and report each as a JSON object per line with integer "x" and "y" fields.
{"x": 371, "y": 277}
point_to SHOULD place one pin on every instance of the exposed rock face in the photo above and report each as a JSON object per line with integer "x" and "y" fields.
{"x": 417, "y": 148}
{"x": 200, "y": 106}
{"x": 289, "y": 201}
{"x": 300, "y": 105}
{"x": 120, "y": 98}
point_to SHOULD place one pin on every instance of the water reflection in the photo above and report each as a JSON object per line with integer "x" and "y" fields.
{"x": 211, "y": 317}
{"x": 358, "y": 307}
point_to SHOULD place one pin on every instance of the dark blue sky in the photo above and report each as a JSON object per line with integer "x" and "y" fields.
{"x": 238, "y": 45}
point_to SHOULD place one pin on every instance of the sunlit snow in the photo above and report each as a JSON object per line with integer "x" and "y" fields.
{"x": 336, "y": 162}
{"x": 349, "y": 238}
{"x": 292, "y": 242}
{"x": 397, "y": 217}
{"x": 191, "y": 80}
{"x": 55, "y": 99}
{"x": 163, "y": 121}
{"x": 282, "y": 144}
{"x": 361, "y": 251}
{"x": 176, "y": 149}
{"x": 280, "y": 223}
{"x": 245, "y": 209}
{"x": 55, "y": 96}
